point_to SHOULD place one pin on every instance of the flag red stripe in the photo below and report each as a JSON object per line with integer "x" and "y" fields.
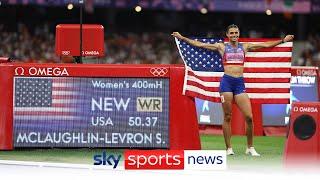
{"x": 209, "y": 89}
{"x": 247, "y": 80}
{"x": 267, "y": 80}
{"x": 65, "y": 80}
{"x": 44, "y": 113}
{"x": 248, "y": 90}
{"x": 66, "y": 96}
{"x": 208, "y": 79}
{"x": 63, "y": 89}
{"x": 266, "y": 70}
{"x": 274, "y": 49}
{"x": 268, "y": 59}
{"x": 268, "y": 90}
{"x": 194, "y": 94}
{"x": 64, "y": 105}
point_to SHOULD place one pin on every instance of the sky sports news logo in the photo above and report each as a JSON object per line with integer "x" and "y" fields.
{"x": 165, "y": 159}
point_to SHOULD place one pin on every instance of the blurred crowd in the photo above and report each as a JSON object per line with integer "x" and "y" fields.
{"x": 145, "y": 48}
{"x": 38, "y": 45}
{"x": 26, "y": 46}
{"x": 310, "y": 56}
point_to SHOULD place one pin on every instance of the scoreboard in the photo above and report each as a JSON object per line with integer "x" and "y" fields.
{"x": 95, "y": 105}
{"x": 91, "y": 112}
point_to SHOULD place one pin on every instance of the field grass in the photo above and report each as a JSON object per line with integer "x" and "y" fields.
{"x": 270, "y": 148}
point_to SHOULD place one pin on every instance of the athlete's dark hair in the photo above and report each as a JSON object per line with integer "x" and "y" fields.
{"x": 232, "y": 26}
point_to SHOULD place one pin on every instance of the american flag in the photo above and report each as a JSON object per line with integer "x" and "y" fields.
{"x": 266, "y": 72}
{"x": 45, "y": 98}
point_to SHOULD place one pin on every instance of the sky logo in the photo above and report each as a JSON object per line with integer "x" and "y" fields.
{"x": 106, "y": 159}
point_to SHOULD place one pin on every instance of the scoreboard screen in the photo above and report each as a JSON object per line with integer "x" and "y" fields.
{"x": 91, "y": 112}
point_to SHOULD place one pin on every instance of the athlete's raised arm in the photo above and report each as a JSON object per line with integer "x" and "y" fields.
{"x": 215, "y": 46}
{"x": 251, "y": 46}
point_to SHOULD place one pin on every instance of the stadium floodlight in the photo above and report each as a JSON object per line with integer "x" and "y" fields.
{"x": 138, "y": 8}
{"x": 204, "y": 10}
{"x": 70, "y": 6}
{"x": 268, "y": 12}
